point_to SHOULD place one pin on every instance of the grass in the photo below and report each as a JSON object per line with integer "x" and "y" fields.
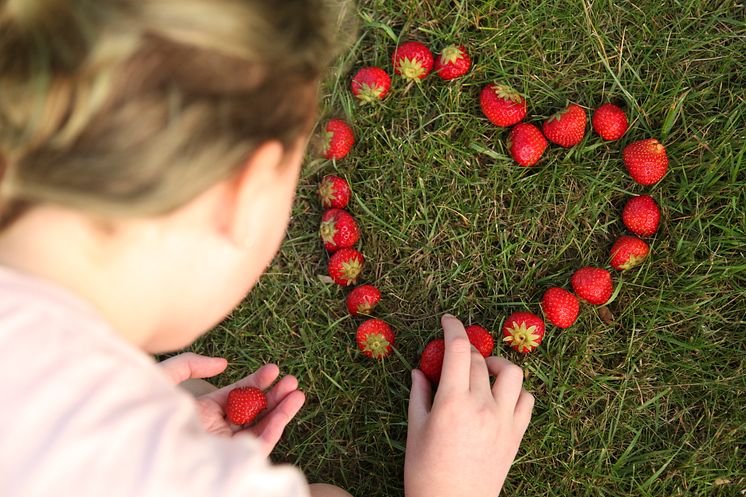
{"x": 650, "y": 404}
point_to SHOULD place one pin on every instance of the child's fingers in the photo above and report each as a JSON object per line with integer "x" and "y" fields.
{"x": 508, "y": 382}
{"x": 479, "y": 376}
{"x": 280, "y": 390}
{"x": 524, "y": 409}
{"x": 457, "y": 357}
{"x": 262, "y": 378}
{"x": 187, "y": 366}
{"x": 270, "y": 427}
{"x": 420, "y": 399}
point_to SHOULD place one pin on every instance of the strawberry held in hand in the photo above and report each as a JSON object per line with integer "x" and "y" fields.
{"x": 363, "y": 299}
{"x": 338, "y": 230}
{"x": 592, "y": 284}
{"x": 481, "y": 339}
{"x": 627, "y": 252}
{"x": 610, "y": 122}
{"x": 412, "y": 60}
{"x": 526, "y": 144}
{"x": 641, "y": 215}
{"x": 566, "y": 128}
{"x": 244, "y": 405}
{"x": 334, "y": 192}
{"x": 453, "y": 62}
{"x": 560, "y": 307}
{"x": 431, "y": 361}
{"x": 371, "y": 84}
{"x": 375, "y": 338}
{"x": 338, "y": 139}
{"x": 345, "y": 266}
{"x": 523, "y": 331}
{"x": 646, "y": 161}
{"x": 502, "y": 105}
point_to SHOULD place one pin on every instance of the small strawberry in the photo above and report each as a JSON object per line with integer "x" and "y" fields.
{"x": 560, "y": 307}
{"x": 431, "y": 362}
{"x": 481, "y": 339}
{"x": 627, "y": 252}
{"x": 244, "y": 404}
{"x": 453, "y": 62}
{"x": 370, "y": 84}
{"x": 502, "y": 105}
{"x": 412, "y": 60}
{"x": 641, "y": 215}
{"x": 363, "y": 299}
{"x": 646, "y": 161}
{"x": 610, "y": 122}
{"x": 345, "y": 265}
{"x": 523, "y": 331}
{"x": 375, "y": 338}
{"x": 338, "y": 230}
{"x": 334, "y": 192}
{"x": 566, "y": 128}
{"x": 526, "y": 144}
{"x": 592, "y": 284}
{"x": 338, "y": 139}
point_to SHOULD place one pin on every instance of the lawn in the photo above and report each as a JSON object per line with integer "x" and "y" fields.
{"x": 647, "y": 400}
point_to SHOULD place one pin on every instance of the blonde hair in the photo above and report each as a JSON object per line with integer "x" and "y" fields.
{"x": 134, "y": 107}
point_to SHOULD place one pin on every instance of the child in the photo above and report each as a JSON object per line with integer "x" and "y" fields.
{"x": 150, "y": 150}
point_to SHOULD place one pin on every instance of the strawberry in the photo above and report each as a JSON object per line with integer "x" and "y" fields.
{"x": 375, "y": 338}
{"x": 345, "y": 265}
{"x": 412, "y": 60}
{"x": 646, "y": 161}
{"x": 431, "y": 361}
{"x": 627, "y": 252}
{"x": 334, "y": 192}
{"x": 526, "y": 144}
{"x": 338, "y": 139}
{"x": 566, "y": 128}
{"x": 592, "y": 284}
{"x": 244, "y": 404}
{"x": 641, "y": 215}
{"x": 453, "y": 62}
{"x": 363, "y": 299}
{"x": 560, "y": 307}
{"x": 370, "y": 84}
{"x": 481, "y": 339}
{"x": 610, "y": 122}
{"x": 502, "y": 105}
{"x": 338, "y": 230}
{"x": 523, "y": 331}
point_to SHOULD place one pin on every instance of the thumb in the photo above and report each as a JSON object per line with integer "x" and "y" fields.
{"x": 420, "y": 399}
{"x": 186, "y": 366}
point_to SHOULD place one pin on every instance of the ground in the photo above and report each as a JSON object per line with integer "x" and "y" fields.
{"x": 645, "y": 402}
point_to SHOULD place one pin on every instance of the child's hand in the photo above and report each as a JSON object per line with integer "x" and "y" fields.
{"x": 284, "y": 400}
{"x": 464, "y": 441}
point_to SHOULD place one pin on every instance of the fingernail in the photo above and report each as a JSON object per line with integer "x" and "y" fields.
{"x": 449, "y": 316}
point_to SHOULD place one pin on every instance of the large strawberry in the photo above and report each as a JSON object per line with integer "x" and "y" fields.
{"x": 431, "y": 361}
{"x": 363, "y": 299}
{"x": 244, "y": 404}
{"x": 646, "y": 161}
{"x": 334, "y": 192}
{"x": 523, "y": 331}
{"x": 481, "y": 339}
{"x": 627, "y": 252}
{"x": 370, "y": 84}
{"x": 610, "y": 122}
{"x": 338, "y": 230}
{"x": 560, "y": 307}
{"x": 526, "y": 144}
{"x": 453, "y": 62}
{"x": 566, "y": 128}
{"x": 375, "y": 338}
{"x": 641, "y": 215}
{"x": 338, "y": 139}
{"x": 345, "y": 266}
{"x": 502, "y": 105}
{"x": 412, "y": 60}
{"x": 592, "y": 284}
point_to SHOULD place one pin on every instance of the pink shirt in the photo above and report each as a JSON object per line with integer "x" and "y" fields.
{"x": 83, "y": 413}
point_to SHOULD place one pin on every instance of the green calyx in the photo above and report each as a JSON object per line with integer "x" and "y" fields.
{"x": 328, "y": 230}
{"x": 451, "y": 54}
{"x": 351, "y": 270}
{"x": 369, "y": 93}
{"x": 508, "y": 93}
{"x": 411, "y": 68}
{"x": 523, "y": 338}
{"x": 377, "y": 346}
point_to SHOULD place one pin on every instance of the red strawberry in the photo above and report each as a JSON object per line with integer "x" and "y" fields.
{"x": 244, "y": 405}
{"x": 345, "y": 265}
{"x": 363, "y": 299}
{"x": 641, "y": 215}
{"x": 646, "y": 161}
{"x": 338, "y": 230}
{"x": 560, "y": 307}
{"x": 334, "y": 192}
{"x": 338, "y": 139}
{"x": 502, "y": 105}
{"x": 375, "y": 338}
{"x": 481, "y": 339}
{"x": 566, "y": 128}
{"x": 526, "y": 144}
{"x": 431, "y": 362}
{"x": 627, "y": 252}
{"x": 610, "y": 122}
{"x": 370, "y": 84}
{"x": 592, "y": 284}
{"x": 412, "y": 60}
{"x": 523, "y": 331}
{"x": 453, "y": 62}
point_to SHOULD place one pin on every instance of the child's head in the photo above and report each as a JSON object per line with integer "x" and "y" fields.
{"x": 178, "y": 124}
